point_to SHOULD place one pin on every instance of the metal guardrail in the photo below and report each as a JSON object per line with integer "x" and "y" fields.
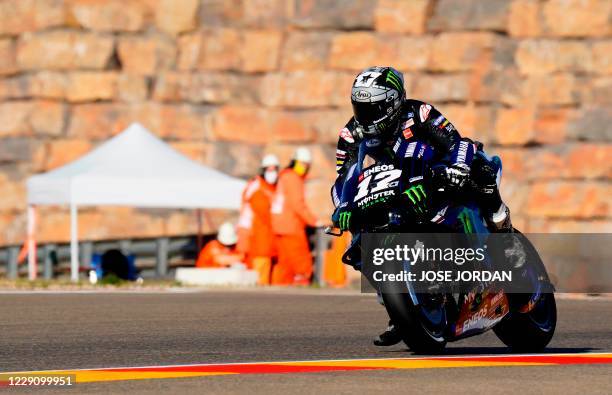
{"x": 54, "y": 258}
{"x": 158, "y": 255}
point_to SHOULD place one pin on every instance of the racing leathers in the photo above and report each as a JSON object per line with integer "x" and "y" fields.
{"x": 463, "y": 157}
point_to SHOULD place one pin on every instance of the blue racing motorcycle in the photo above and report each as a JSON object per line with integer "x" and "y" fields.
{"x": 402, "y": 189}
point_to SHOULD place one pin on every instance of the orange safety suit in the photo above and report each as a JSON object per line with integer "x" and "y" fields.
{"x": 245, "y": 219}
{"x": 290, "y": 217}
{"x": 255, "y": 226}
{"x": 215, "y": 255}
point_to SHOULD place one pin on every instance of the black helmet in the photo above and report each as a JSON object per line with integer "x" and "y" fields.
{"x": 377, "y": 96}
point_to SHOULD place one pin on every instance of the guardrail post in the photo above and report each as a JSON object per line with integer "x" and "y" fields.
{"x": 161, "y": 266}
{"x": 13, "y": 254}
{"x": 320, "y": 248}
{"x": 48, "y": 261}
{"x": 86, "y": 252}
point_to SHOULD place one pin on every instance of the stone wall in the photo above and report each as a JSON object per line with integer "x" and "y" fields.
{"x": 225, "y": 81}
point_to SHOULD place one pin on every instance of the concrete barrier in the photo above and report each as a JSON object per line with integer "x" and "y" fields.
{"x": 229, "y": 276}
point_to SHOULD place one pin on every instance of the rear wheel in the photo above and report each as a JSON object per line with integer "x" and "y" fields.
{"x": 421, "y": 326}
{"x": 533, "y": 318}
{"x": 530, "y": 331}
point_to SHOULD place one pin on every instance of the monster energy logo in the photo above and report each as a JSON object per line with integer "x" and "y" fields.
{"x": 345, "y": 220}
{"x": 394, "y": 80}
{"x": 373, "y": 202}
{"x": 416, "y": 194}
{"x": 464, "y": 217}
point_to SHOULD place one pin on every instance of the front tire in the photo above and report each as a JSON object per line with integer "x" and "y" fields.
{"x": 531, "y": 331}
{"x": 420, "y": 335}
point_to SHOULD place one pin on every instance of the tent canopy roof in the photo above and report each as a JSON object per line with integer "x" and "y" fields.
{"x": 135, "y": 168}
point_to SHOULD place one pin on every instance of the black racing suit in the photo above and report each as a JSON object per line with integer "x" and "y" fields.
{"x": 428, "y": 125}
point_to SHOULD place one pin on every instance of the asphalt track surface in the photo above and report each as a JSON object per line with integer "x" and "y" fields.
{"x": 48, "y": 331}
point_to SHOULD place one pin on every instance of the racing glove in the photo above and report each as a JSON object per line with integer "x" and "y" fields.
{"x": 457, "y": 174}
{"x": 417, "y": 198}
{"x": 461, "y": 158}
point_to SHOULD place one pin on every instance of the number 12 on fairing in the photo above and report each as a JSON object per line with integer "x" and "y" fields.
{"x": 384, "y": 180}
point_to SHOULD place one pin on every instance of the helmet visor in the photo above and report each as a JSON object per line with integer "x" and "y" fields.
{"x": 368, "y": 113}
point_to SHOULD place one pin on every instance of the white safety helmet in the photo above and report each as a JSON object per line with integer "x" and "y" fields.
{"x": 227, "y": 234}
{"x": 302, "y": 154}
{"x": 270, "y": 160}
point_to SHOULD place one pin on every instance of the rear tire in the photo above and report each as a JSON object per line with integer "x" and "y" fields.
{"x": 409, "y": 320}
{"x": 531, "y": 331}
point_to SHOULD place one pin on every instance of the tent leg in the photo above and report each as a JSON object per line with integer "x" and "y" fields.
{"x": 199, "y": 235}
{"x": 31, "y": 243}
{"x": 74, "y": 244}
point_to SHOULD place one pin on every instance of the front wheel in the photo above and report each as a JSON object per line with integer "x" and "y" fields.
{"x": 531, "y": 331}
{"x": 421, "y": 326}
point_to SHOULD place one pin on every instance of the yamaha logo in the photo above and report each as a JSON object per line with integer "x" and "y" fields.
{"x": 363, "y": 95}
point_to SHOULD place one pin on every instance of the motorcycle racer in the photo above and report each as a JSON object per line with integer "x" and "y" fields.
{"x": 382, "y": 114}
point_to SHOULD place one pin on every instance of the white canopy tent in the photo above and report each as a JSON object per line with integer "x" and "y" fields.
{"x": 134, "y": 168}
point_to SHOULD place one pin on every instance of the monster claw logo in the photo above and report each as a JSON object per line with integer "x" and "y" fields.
{"x": 464, "y": 217}
{"x": 417, "y": 195}
{"x": 345, "y": 220}
{"x": 394, "y": 80}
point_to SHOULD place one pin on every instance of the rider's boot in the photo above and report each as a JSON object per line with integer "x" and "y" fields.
{"x": 390, "y": 337}
{"x": 499, "y": 221}
{"x": 485, "y": 174}
{"x": 496, "y": 213}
